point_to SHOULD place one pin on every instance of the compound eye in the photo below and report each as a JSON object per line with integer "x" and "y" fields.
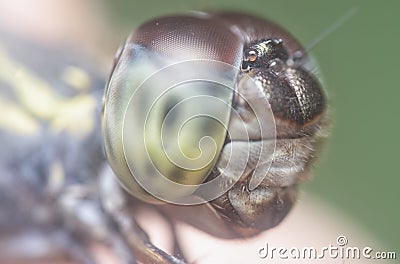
{"x": 160, "y": 139}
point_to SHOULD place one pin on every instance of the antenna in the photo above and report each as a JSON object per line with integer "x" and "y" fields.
{"x": 335, "y": 25}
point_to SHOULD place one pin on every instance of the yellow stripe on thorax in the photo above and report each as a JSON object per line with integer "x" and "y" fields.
{"x": 38, "y": 101}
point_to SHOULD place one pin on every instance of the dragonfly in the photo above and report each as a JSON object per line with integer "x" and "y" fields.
{"x": 212, "y": 119}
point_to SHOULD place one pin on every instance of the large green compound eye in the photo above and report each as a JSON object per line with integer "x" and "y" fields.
{"x": 166, "y": 115}
{"x": 174, "y": 125}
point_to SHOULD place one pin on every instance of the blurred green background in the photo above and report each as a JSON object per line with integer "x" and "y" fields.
{"x": 359, "y": 172}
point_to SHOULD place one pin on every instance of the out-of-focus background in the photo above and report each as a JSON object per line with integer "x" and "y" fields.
{"x": 359, "y": 173}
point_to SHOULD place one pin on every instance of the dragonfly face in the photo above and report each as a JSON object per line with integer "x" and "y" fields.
{"x": 242, "y": 81}
{"x": 219, "y": 111}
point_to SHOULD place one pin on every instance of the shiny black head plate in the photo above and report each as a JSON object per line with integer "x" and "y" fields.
{"x": 262, "y": 52}
{"x": 295, "y": 94}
